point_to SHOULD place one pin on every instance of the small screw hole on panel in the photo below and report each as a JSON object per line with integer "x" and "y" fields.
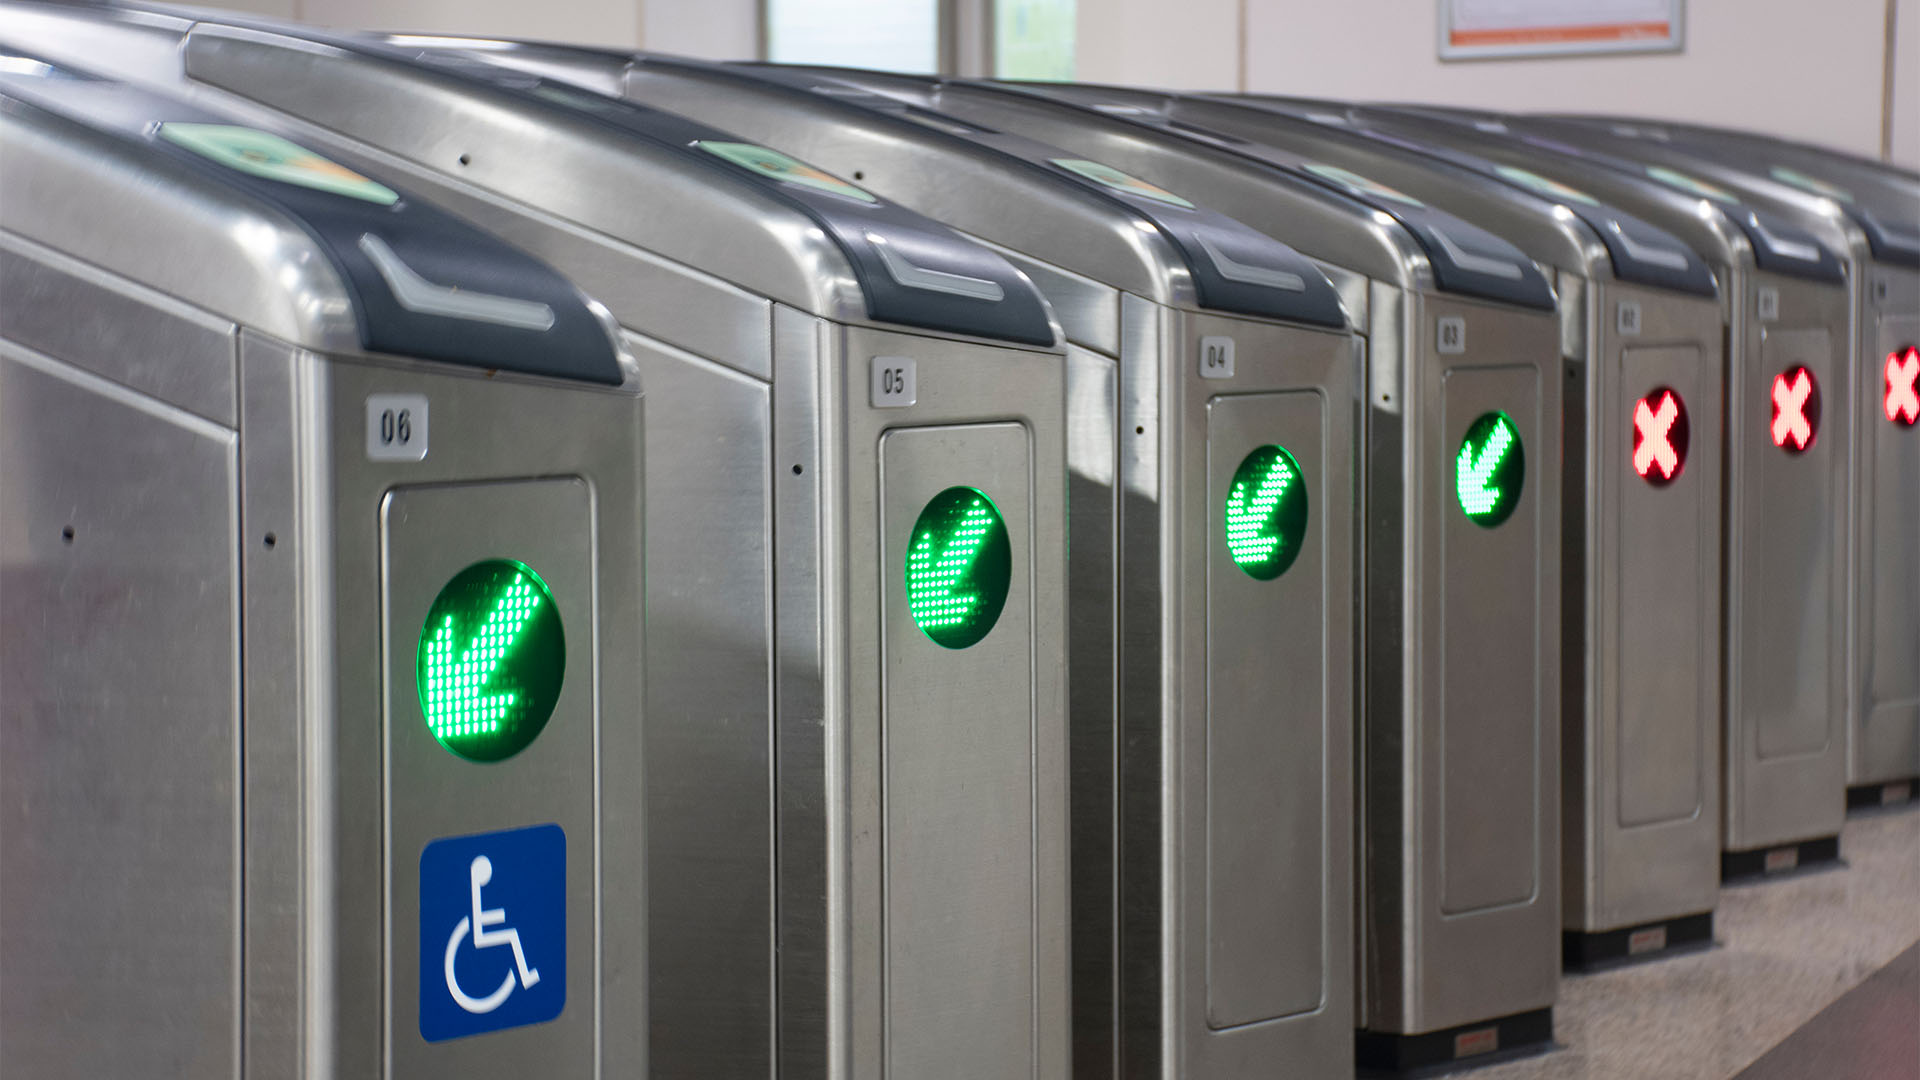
{"x": 271, "y": 540}
{"x": 466, "y": 159}
{"x": 1140, "y": 431}
{"x": 66, "y": 534}
{"x": 796, "y": 470}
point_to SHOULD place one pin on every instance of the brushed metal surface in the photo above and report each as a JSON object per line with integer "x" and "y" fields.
{"x": 1462, "y": 740}
{"x": 1882, "y": 738}
{"x": 1795, "y": 797}
{"x": 1489, "y": 709}
{"x": 1319, "y": 225}
{"x": 427, "y": 535}
{"x": 283, "y": 671}
{"x": 519, "y": 162}
{"x": 1664, "y": 563}
{"x": 958, "y": 784}
{"x": 710, "y": 469}
{"x": 1269, "y": 723}
{"x": 1885, "y": 732}
{"x": 434, "y": 121}
{"x": 810, "y": 1022}
{"x": 294, "y": 739}
{"x": 1088, "y": 310}
{"x": 210, "y": 247}
{"x": 1642, "y": 731}
{"x": 956, "y": 182}
{"x": 1634, "y": 735}
{"x": 957, "y": 384}
{"x": 1789, "y": 628}
{"x": 140, "y": 338}
{"x": 486, "y": 429}
{"x": 120, "y": 874}
{"x": 1786, "y": 604}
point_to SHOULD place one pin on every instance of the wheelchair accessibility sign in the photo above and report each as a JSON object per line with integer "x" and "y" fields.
{"x": 493, "y": 931}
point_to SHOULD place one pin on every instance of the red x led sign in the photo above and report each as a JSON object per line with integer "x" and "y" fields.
{"x": 1660, "y": 437}
{"x": 1903, "y": 386}
{"x": 1796, "y": 410}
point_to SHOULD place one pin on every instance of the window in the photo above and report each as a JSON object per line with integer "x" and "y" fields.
{"x": 894, "y": 35}
{"x": 1033, "y": 39}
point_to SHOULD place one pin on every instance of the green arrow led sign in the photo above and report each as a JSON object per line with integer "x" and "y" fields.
{"x": 959, "y": 563}
{"x": 1266, "y": 513}
{"x": 491, "y": 660}
{"x": 1489, "y": 470}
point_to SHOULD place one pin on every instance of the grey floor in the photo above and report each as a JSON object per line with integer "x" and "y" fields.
{"x": 1788, "y": 949}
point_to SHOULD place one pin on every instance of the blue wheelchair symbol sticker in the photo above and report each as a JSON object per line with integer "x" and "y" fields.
{"x": 493, "y": 931}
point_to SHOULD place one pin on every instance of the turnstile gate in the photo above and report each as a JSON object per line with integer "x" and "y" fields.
{"x": 1875, "y": 218}
{"x": 318, "y": 510}
{"x": 1642, "y": 348}
{"x": 1461, "y": 590}
{"x": 1784, "y": 648}
{"x": 1213, "y": 476}
{"x": 856, "y": 749}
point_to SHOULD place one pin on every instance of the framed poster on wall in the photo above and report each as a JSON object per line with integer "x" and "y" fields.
{"x": 1492, "y": 29}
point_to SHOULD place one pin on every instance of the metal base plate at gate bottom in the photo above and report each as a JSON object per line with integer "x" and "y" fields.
{"x": 1891, "y": 794}
{"x": 1781, "y": 859}
{"x": 1586, "y": 952}
{"x": 1469, "y": 1046}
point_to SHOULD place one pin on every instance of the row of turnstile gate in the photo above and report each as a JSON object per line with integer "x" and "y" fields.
{"x": 1103, "y": 583}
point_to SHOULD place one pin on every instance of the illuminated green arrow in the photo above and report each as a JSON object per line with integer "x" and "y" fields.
{"x": 455, "y": 696}
{"x": 1266, "y": 512}
{"x": 1250, "y": 535}
{"x": 1488, "y": 469}
{"x": 933, "y": 583}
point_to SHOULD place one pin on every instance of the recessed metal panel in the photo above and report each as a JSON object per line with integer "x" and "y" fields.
{"x": 709, "y": 737}
{"x": 428, "y": 535}
{"x": 1667, "y": 560}
{"x": 120, "y": 910}
{"x": 1267, "y": 730}
{"x": 1889, "y": 582}
{"x": 958, "y": 731}
{"x": 1787, "y": 534}
{"x": 1488, "y": 719}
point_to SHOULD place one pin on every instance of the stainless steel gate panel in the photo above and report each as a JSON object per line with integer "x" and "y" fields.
{"x": 1886, "y": 731}
{"x": 881, "y": 465}
{"x": 101, "y": 561}
{"x": 1483, "y": 659}
{"x": 1874, "y": 222}
{"x": 1638, "y": 312}
{"x": 1774, "y": 278}
{"x": 1144, "y": 300}
{"x": 1332, "y": 222}
{"x": 957, "y": 782}
{"x": 747, "y": 342}
{"x": 1266, "y": 814}
{"x": 236, "y": 882}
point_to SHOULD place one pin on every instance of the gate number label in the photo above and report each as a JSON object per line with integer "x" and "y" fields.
{"x": 893, "y": 383}
{"x": 493, "y": 931}
{"x": 1629, "y": 318}
{"x": 1452, "y": 335}
{"x": 1216, "y": 358}
{"x": 396, "y": 427}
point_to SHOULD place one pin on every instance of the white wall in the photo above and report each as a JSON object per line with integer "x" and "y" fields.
{"x": 1811, "y": 71}
{"x": 1906, "y": 85}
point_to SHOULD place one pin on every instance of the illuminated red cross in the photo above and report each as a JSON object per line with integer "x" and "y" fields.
{"x": 1792, "y": 427}
{"x": 1903, "y": 386}
{"x": 1652, "y": 446}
